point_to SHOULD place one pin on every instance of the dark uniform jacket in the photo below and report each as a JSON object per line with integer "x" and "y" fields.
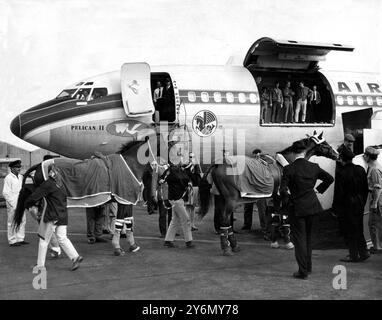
{"x": 177, "y": 181}
{"x": 352, "y": 189}
{"x": 301, "y": 177}
{"x": 56, "y": 202}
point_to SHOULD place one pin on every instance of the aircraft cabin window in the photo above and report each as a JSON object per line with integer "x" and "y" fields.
{"x": 369, "y": 101}
{"x": 230, "y": 97}
{"x": 359, "y": 101}
{"x": 66, "y": 93}
{"x": 242, "y": 98}
{"x": 98, "y": 93}
{"x": 205, "y": 96}
{"x": 252, "y": 97}
{"x": 191, "y": 96}
{"x": 217, "y": 97}
{"x": 350, "y": 100}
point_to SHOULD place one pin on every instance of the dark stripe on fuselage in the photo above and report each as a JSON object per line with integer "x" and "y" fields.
{"x": 49, "y": 112}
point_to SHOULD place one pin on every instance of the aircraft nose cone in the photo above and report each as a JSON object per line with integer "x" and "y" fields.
{"x": 15, "y": 127}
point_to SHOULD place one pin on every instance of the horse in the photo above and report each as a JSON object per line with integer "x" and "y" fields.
{"x": 132, "y": 154}
{"x": 229, "y": 193}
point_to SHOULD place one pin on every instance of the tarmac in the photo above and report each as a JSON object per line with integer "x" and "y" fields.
{"x": 159, "y": 273}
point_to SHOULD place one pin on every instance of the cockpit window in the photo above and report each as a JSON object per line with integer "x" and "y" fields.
{"x": 66, "y": 93}
{"x": 79, "y": 84}
{"x": 83, "y": 94}
{"x": 98, "y": 93}
{"x": 89, "y": 83}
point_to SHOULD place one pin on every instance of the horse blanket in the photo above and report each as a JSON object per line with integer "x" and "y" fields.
{"x": 92, "y": 182}
{"x": 252, "y": 176}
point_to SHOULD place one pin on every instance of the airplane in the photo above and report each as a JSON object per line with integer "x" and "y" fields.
{"x": 210, "y": 108}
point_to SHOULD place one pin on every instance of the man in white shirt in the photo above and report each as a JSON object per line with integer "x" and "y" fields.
{"x": 158, "y": 94}
{"x": 12, "y": 186}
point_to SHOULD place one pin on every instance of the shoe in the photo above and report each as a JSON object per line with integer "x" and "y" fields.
{"x": 169, "y": 244}
{"x": 348, "y": 259}
{"x": 54, "y": 254}
{"x": 266, "y": 237}
{"x": 375, "y": 251}
{"x": 123, "y": 236}
{"x": 364, "y": 257}
{"x": 76, "y": 263}
{"x": 134, "y": 248}
{"x": 119, "y": 252}
{"x": 16, "y": 244}
{"x": 190, "y": 245}
{"x": 289, "y": 246}
{"x": 91, "y": 240}
{"x": 245, "y": 228}
{"x": 275, "y": 245}
{"x": 23, "y": 242}
{"x": 194, "y": 229}
{"x": 299, "y": 275}
{"x": 99, "y": 239}
{"x": 106, "y": 232}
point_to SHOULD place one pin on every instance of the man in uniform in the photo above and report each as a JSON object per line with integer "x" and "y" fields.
{"x": 352, "y": 182}
{"x": 348, "y": 144}
{"x": 300, "y": 177}
{"x": 12, "y": 186}
{"x": 374, "y": 178}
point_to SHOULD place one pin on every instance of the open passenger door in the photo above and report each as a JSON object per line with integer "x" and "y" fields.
{"x": 268, "y": 54}
{"x": 136, "y": 89}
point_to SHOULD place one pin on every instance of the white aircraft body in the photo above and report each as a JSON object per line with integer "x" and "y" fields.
{"x": 211, "y": 108}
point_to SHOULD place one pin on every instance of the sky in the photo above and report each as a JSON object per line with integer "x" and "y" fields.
{"x": 46, "y": 45}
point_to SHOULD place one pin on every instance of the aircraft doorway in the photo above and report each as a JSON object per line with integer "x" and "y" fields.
{"x": 163, "y": 96}
{"x": 273, "y": 61}
{"x": 320, "y": 113}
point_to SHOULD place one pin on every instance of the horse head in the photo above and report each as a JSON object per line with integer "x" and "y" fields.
{"x": 141, "y": 160}
{"x": 317, "y": 146}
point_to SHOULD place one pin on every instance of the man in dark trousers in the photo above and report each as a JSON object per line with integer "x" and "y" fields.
{"x": 300, "y": 177}
{"x": 353, "y": 188}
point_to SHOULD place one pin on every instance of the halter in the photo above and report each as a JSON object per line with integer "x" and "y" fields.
{"x": 317, "y": 138}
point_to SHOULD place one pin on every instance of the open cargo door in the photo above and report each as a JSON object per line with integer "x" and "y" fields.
{"x": 268, "y": 54}
{"x": 136, "y": 89}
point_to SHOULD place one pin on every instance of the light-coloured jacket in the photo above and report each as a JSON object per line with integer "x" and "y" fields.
{"x": 11, "y": 189}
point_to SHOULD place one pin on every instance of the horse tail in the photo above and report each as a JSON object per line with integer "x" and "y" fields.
{"x": 204, "y": 193}
{"x": 19, "y": 211}
{"x": 25, "y": 192}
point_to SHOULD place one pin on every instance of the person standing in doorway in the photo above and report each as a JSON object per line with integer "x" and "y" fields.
{"x": 276, "y": 103}
{"x": 302, "y": 100}
{"x": 315, "y": 106}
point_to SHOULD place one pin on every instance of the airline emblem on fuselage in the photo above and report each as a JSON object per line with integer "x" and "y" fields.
{"x": 134, "y": 86}
{"x": 204, "y": 123}
{"x": 125, "y": 128}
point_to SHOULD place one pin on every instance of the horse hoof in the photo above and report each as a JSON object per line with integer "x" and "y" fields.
{"x": 227, "y": 253}
{"x": 236, "y": 249}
